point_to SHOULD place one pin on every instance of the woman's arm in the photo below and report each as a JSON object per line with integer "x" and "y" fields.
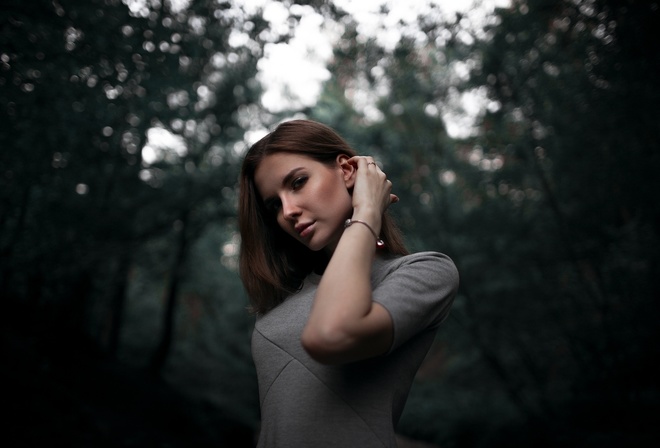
{"x": 345, "y": 324}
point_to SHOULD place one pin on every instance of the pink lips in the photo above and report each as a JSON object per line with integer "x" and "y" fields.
{"x": 304, "y": 229}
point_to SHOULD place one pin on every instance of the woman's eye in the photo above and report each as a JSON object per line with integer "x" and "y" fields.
{"x": 298, "y": 182}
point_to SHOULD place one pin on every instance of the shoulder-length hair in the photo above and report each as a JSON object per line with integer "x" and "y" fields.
{"x": 272, "y": 264}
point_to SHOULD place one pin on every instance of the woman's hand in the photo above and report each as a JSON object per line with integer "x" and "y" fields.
{"x": 372, "y": 189}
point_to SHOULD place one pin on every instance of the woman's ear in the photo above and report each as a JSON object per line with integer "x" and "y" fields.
{"x": 348, "y": 169}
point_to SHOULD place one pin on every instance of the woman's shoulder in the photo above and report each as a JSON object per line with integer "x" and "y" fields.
{"x": 432, "y": 259}
{"x": 427, "y": 264}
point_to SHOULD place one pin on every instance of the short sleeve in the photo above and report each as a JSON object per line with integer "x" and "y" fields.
{"x": 417, "y": 290}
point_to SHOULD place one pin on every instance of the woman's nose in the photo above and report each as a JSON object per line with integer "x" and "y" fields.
{"x": 290, "y": 208}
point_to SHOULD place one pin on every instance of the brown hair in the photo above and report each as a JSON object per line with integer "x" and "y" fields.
{"x": 272, "y": 263}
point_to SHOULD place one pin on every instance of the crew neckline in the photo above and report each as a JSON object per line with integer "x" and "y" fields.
{"x": 313, "y": 278}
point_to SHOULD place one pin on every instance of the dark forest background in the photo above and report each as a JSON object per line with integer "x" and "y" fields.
{"x": 123, "y": 321}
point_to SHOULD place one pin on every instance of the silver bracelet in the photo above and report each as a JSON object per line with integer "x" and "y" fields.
{"x": 379, "y": 243}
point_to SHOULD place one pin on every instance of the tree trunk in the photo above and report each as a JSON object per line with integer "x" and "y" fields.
{"x": 172, "y": 291}
{"x": 118, "y": 303}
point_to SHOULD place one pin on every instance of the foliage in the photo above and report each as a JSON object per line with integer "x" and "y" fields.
{"x": 77, "y": 191}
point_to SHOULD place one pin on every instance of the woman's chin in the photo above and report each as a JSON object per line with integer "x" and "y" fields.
{"x": 316, "y": 245}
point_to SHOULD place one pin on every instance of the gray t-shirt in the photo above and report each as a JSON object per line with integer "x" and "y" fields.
{"x": 308, "y": 404}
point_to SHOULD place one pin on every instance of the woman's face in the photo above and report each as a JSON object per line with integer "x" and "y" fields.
{"x": 309, "y": 199}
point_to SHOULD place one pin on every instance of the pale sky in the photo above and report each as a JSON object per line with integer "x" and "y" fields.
{"x": 293, "y": 73}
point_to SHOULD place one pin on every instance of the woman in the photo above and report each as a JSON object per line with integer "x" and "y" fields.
{"x": 345, "y": 315}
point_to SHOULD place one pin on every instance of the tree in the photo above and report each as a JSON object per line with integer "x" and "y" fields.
{"x": 575, "y": 85}
{"x": 548, "y": 211}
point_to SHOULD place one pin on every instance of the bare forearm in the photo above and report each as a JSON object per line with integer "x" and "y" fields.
{"x": 344, "y": 294}
{"x": 345, "y": 324}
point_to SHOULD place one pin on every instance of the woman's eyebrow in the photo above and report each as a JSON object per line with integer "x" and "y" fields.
{"x": 290, "y": 175}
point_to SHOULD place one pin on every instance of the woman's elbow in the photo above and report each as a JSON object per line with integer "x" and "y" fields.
{"x": 324, "y": 345}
